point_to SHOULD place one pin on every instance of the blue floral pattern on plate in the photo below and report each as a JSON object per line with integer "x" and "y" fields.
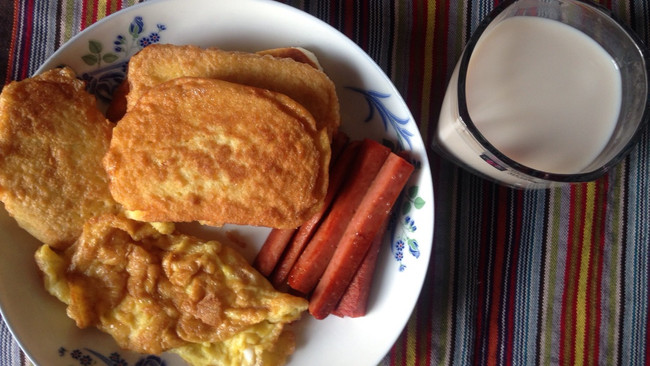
{"x": 375, "y": 102}
{"x": 87, "y": 357}
{"x": 111, "y": 64}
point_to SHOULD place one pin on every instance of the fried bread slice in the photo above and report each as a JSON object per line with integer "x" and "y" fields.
{"x": 298, "y": 54}
{"x": 117, "y": 106}
{"x": 197, "y": 149}
{"x": 298, "y": 80}
{"x": 154, "y": 292}
{"x": 52, "y": 141}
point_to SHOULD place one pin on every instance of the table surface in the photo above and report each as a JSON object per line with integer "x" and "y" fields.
{"x": 555, "y": 276}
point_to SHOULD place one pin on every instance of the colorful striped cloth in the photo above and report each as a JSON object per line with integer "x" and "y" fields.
{"x": 550, "y": 277}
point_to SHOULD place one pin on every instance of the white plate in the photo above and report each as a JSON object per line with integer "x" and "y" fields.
{"x": 370, "y": 107}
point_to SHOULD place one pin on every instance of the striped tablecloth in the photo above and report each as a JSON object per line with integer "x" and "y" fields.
{"x": 516, "y": 277}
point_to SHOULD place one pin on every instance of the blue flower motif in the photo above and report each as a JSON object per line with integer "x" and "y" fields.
{"x": 85, "y": 360}
{"x": 136, "y": 27}
{"x": 144, "y": 42}
{"x": 150, "y": 360}
{"x": 62, "y": 351}
{"x": 102, "y": 82}
{"x": 403, "y": 239}
{"x": 76, "y": 354}
{"x": 399, "y": 255}
{"x": 410, "y": 224}
{"x": 414, "y": 248}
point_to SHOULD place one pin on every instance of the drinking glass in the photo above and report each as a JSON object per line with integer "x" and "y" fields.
{"x": 457, "y": 138}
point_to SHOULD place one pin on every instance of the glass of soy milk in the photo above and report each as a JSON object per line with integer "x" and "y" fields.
{"x": 546, "y": 93}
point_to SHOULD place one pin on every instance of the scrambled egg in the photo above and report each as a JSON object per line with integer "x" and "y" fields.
{"x": 262, "y": 344}
{"x": 154, "y": 292}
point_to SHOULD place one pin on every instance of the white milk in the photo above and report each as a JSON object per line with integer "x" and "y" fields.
{"x": 544, "y": 94}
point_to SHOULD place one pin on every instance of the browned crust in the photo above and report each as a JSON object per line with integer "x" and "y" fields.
{"x": 300, "y": 81}
{"x": 218, "y": 152}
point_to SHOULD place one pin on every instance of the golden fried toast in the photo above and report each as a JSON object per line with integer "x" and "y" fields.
{"x": 154, "y": 292}
{"x": 52, "y": 141}
{"x": 295, "y": 53}
{"x": 117, "y": 106}
{"x": 298, "y": 80}
{"x": 197, "y": 149}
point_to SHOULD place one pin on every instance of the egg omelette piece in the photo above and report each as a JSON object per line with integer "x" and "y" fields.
{"x": 52, "y": 141}
{"x": 154, "y": 292}
{"x": 300, "y": 81}
{"x": 197, "y": 149}
{"x": 263, "y": 344}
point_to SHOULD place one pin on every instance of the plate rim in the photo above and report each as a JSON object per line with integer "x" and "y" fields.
{"x": 424, "y": 260}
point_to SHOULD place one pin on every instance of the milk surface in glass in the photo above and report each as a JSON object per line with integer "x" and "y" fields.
{"x": 541, "y": 92}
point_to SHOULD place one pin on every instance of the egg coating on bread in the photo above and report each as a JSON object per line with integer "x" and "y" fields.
{"x": 197, "y": 149}
{"x": 305, "y": 84}
{"x": 155, "y": 292}
{"x": 52, "y": 141}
